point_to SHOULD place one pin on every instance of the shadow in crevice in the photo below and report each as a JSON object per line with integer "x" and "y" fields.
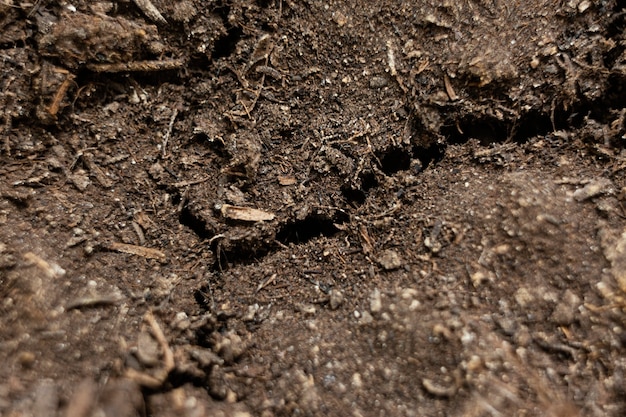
{"x": 394, "y": 160}
{"x": 226, "y": 45}
{"x": 195, "y": 223}
{"x": 358, "y": 195}
{"x": 313, "y": 226}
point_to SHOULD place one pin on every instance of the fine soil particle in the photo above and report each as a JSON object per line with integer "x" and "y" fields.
{"x": 246, "y": 207}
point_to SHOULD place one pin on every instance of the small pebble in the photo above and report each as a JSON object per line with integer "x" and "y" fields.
{"x": 523, "y": 297}
{"x": 376, "y": 304}
{"x": 390, "y": 260}
{"x": 27, "y": 359}
{"x": 378, "y": 82}
{"x": 565, "y": 312}
{"x": 336, "y": 298}
{"x": 593, "y": 189}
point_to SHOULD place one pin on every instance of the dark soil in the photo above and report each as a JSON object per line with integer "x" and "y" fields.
{"x": 336, "y": 208}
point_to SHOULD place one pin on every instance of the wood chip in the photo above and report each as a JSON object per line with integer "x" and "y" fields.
{"x": 287, "y": 180}
{"x": 246, "y": 214}
{"x": 150, "y": 10}
{"x": 138, "y": 250}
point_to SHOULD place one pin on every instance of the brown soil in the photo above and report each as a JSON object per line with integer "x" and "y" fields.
{"x": 335, "y": 208}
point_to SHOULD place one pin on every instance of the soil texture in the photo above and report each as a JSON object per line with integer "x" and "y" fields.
{"x": 312, "y": 208}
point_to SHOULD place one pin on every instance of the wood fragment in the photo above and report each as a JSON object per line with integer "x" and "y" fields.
{"x": 138, "y": 250}
{"x": 138, "y": 66}
{"x": 438, "y": 390}
{"x": 268, "y": 281}
{"x": 449, "y": 89}
{"x": 150, "y": 11}
{"x": 168, "y": 133}
{"x": 391, "y": 59}
{"x": 246, "y": 214}
{"x": 96, "y": 171}
{"x": 54, "y": 107}
{"x": 367, "y": 244}
{"x": 262, "y": 50}
{"x": 160, "y": 376}
{"x": 139, "y": 232}
{"x": 286, "y": 180}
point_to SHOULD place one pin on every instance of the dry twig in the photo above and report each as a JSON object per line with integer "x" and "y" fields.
{"x": 138, "y": 250}
{"x": 138, "y": 66}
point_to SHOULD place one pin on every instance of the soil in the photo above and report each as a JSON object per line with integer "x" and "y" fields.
{"x": 279, "y": 207}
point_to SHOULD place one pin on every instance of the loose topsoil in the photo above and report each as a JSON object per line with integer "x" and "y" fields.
{"x": 316, "y": 208}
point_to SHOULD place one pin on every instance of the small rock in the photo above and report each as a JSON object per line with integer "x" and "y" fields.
{"x": 147, "y": 349}
{"x": 80, "y": 179}
{"x": 205, "y": 357}
{"x": 593, "y": 189}
{"x": 27, "y": 359}
{"x": 583, "y": 6}
{"x": 336, "y": 298}
{"x": 217, "y": 383}
{"x": 390, "y": 260}
{"x": 376, "y": 304}
{"x": 309, "y": 398}
{"x": 523, "y": 297}
{"x": 46, "y": 399}
{"x": 507, "y": 324}
{"x": 251, "y": 312}
{"x": 120, "y": 398}
{"x": 565, "y": 312}
{"x": 83, "y": 399}
{"x": 378, "y": 82}
{"x": 308, "y": 309}
{"x": 480, "y": 277}
{"x": 181, "y": 322}
{"x": 230, "y": 346}
{"x": 366, "y": 318}
{"x": 615, "y": 253}
{"x": 433, "y": 244}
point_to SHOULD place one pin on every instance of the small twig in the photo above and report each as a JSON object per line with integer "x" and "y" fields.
{"x": 137, "y": 250}
{"x": 139, "y": 232}
{"x": 449, "y": 89}
{"x": 265, "y": 283}
{"x": 166, "y": 138}
{"x": 138, "y": 66}
{"x": 54, "y": 107}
